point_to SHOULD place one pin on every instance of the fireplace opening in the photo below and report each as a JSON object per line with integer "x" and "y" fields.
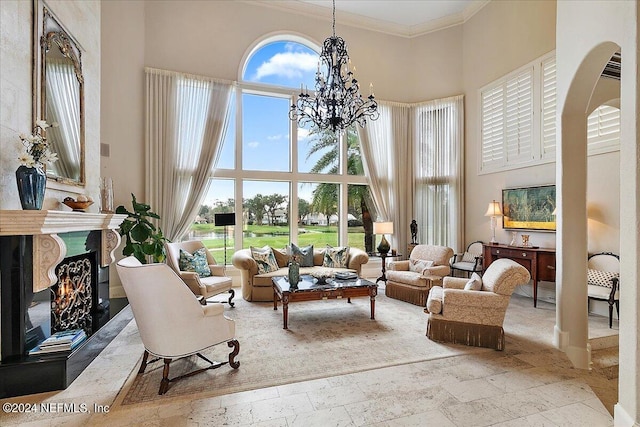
{"x": 72, "y": 298}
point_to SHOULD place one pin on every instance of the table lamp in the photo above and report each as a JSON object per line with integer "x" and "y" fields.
{"x": 494, "y": 212}
{"x": 383, "y": 228}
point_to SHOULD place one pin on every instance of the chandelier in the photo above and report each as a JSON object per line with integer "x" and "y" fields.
{"x": 337, "y": 102}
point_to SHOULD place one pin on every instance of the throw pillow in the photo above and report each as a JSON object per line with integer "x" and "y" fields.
{"x": 336, "y": 257}
{"x": 419, "y": 265}
{"x": 468, "y": 257}
{"x": 265, "y": 259}
{"x": 196, "y": 262}
{"x": 304, "y": 255}
{"x": 600, "y": 278}
{"x": 474, "y": 283}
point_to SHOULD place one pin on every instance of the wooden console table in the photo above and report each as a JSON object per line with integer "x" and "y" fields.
{"x": 541, "y": 262}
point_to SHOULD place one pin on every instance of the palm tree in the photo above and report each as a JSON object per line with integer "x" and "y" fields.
{"x": 325, "y": 196}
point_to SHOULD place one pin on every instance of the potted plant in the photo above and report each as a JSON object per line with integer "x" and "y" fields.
{"x": 143, "y": 239}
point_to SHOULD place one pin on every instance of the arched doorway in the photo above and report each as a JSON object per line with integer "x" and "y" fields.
{"x": 571, "y": 330}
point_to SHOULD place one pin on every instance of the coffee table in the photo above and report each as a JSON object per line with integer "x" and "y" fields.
{"x": 312, "y": 289}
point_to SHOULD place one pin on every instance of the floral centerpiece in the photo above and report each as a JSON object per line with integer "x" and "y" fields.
{"x": 36, "y": 148}
{"x": 30, "y": 175}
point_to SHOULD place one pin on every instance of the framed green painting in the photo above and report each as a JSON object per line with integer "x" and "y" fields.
{"x": 529, "y": 208}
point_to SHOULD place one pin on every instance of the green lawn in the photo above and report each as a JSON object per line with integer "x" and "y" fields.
{"x": 277, "y": 237}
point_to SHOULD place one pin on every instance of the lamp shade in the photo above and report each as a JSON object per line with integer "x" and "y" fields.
{"x": 224, "y": 218}
{"x": 383, "y": 228}
{"x": 492, "y": 210}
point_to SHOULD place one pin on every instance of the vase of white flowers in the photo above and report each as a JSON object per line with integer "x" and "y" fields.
{"x": 30, "y": 176}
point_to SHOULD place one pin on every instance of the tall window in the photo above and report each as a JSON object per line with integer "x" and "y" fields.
{"x": 285, "y": 183}
{"x": 439, "y": 165}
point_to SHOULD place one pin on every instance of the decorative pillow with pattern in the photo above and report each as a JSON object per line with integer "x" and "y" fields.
{"x": 468, "y": 257}
{"x": 265, "y": 259}
{"x": 304, "y": 255}
{"x": 419, "y": 265}
{"x": 600, "y": 278}
{"x": 336, "y": 257}
{"x": 474, "y": 283}
{"x": 196, "y": 262}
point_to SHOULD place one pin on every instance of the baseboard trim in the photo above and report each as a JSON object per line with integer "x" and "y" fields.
{"x": 580, "y": 357}
{"x": 621, "y": 418}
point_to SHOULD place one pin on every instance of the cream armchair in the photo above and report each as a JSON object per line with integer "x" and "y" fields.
{"x": 411, "y": 280}
{"x": 202, "y": 287}
{"x": 460, "y": 315}
{"x": 173, "y": 324}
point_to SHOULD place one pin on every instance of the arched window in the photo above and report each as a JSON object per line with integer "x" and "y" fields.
{"x": 267, "y": 162}
{"x": 282, "y": 63}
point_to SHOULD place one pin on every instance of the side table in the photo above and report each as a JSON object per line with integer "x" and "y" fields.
{"x": 384, "y": 257}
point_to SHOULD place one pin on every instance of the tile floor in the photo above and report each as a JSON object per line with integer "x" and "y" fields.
{"x": 528, "y": 384}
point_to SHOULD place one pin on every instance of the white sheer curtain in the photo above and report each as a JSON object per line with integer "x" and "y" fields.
{"x": 386, "y": 149}
{"x": 63, "y": 108}
{"x": 186, "y": 120}
{"x": 439, "y": 166}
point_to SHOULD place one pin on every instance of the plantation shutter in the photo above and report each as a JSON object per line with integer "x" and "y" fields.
{"x": 548, "y": 105}
{"x": 493, "y": 127}
{"x": 603, "y": 129}
{"x": 519, "y": 116}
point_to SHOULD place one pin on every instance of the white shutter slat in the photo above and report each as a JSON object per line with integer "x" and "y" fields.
{"x": 548, "y": 107}
{"x": 603, "y": 130}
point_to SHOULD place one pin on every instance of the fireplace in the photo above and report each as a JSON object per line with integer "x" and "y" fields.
{"x": 54, "y": 276}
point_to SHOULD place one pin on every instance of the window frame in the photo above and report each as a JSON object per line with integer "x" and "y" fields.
{"x": 292, "y": 177}
{"x": 543, "y": 120}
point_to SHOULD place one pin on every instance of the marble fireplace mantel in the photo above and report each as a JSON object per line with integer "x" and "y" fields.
{"x": 48, "y": 248}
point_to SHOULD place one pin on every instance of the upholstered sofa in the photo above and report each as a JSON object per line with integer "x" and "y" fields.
{"x": 259, "y": 287}
{"x": 410, "y": 280}
{"x": 461, "y": 315}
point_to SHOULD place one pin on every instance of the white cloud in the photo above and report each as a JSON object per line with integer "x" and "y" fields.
{"x": 303, "y": 133}
{"x": 274, "y": 137}
{"x": 290, "y": 65}
{"x": 253, "y": 144}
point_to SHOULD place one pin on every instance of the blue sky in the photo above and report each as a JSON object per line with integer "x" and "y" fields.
{"x": 265, "y": 139}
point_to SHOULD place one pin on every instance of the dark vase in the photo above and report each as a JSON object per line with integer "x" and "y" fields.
{"x": 31, "y": 185}
{"x": 294, "y": 274}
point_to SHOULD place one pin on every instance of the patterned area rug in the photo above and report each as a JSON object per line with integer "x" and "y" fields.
{"x": 325, "y": 338}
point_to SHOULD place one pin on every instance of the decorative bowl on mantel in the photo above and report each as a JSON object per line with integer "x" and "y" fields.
{"x": 77, "y": 205}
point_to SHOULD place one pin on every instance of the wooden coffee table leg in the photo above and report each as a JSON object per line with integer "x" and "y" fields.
{"x": 285, "y": 310}
{"x": 373, "y": 307}
{"x": 275, "y": 300}
{"x": 372, "y": 296}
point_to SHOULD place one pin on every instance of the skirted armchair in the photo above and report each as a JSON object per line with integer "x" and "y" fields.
{"x": 411, "y": 280}
{"x": 461, "y": 315}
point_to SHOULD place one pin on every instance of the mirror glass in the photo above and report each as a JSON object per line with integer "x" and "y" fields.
{"x": 62, "y": 100}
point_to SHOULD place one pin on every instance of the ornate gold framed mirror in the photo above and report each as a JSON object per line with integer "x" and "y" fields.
{"x": 58, "y": 89}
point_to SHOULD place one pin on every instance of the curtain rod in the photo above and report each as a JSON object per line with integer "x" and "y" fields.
{"x": 419, "y": 104}
{"x": 151, "y": 70}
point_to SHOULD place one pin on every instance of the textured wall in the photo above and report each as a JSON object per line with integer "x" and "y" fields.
{"x": 82, "y": 20}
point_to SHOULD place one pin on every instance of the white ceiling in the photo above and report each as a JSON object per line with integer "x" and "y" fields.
{"x": 407, "y": 18}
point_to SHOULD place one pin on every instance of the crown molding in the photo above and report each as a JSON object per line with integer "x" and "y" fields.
{"x": 372, "y": 24}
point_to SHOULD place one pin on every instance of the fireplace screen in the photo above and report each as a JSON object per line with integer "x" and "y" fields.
{"x": 72, "y": 297}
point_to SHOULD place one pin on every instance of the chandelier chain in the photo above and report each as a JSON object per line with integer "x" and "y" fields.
{"x": 334, "y": 18}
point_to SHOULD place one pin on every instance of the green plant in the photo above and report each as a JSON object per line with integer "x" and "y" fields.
{"x": 142, "y": 238}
